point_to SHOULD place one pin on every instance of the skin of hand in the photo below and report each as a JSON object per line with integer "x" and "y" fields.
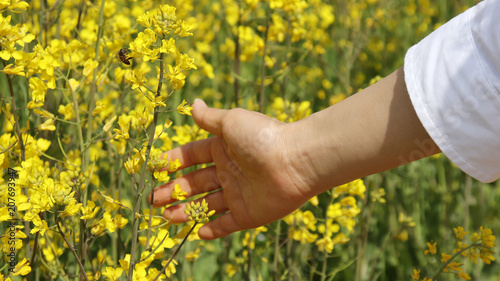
{"x": 265, "y": 169}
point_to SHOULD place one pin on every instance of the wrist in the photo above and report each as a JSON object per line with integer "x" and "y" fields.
{"x": 313, "y": 148}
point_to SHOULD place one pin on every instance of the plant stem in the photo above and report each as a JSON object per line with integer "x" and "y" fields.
{"x": 249, "y": 262}
{"x": 21, "y": 147}
{"x": 142, "y": 182}
{"x": 277, "y": 274}
{"x": 323, "y": 269}
{"x": 150, "y": 216}
{"x": 176, "y": 251}
{"x": 80, "y": 264}
{"x": 263, "y": 64}
{"x": 90, "y": 121}
{"x": 382, "y": 249}
{"x": 452, "y": 258}
{"x": 287, "y": 58}
{"x": 364, "y": 230}
{"x": 237, "y": 52}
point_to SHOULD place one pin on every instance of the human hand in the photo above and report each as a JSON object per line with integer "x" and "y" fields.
{"x": 254, "y": 171}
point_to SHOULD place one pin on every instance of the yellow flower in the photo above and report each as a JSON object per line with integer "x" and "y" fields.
{"x": 137, "y": 79}
{"x": 108, "y": 125}
{"x": 67, "y": 110}
{"x": 124, "y": 125}
{"x": 170, "y": 268}
{"x": 161, "y": 176}
{"x": 301, "y": 223}
{"x": 71, "y": 209}
{"x": 18, "y": 7}
{"x": 99, "y": 107}
{"x": 378, "y": 195}
{"x": 432, "y": 248}
{"x": 403, "y": 235}
{"x": 174, "y": 165}
{"x": 89, "y": 211}
{"x": 408, "y": 221}
{"x": 186, "y": 133}
{"x": 120, "y": 221}
{"x": 22, "y": 268}
{"x": 198, "y": 212}
{"x": 107, "y": 222}
{"x": 325, "y": 244}
{"x": 459, "y": 232}
{"x": 168, "y": 46}
{"x": 191, "y": 256}
{"x": 52, "y": 252}
{"x": 175, "y": 76}
{"x": 314, "y": 201}
{"x": 487, "y": 237}
{"x": 231, "y": 269}
{"x": 89, "y": 66}
{"x": 113, "y": 273}
{"x": 453, "y": 266}
{"x": 445, "y": 257}
{"x": 415, "y": 275}
{"x": 40, "y": 225}
{"x": 184, "y": 109}
{"x": 15, "y": 70}
{"x": 47, "y": 125}
{"x": 145, "y": 19}
{"x": 38, "y": 88}
{"x": 184, "y": 29}
{"x": 348, "y": 201}
{"x": 178, "y": 194}
{"x": 463, "y": 275}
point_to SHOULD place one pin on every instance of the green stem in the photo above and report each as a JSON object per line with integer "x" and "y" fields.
{"x": 86, "y": 153}
{"x": 75, "y": 254}
{"x": 249, "y": 261}
{"x": 142, "y": 182}
{"x": 386, "y": 242}
{"x": 276, "y": 274}
{"x": 325, "y": 253}
{"x": 237, "y": 52}
{"x": 150, "y": 216}
{"x": 175, "y": 253}
{"x": 21, "y": 146}
{"x": 452, "y": 258}
{"x": 263, "y": 64}
{"x": 287, "y": 57}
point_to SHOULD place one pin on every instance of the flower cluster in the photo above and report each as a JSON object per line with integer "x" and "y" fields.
{"x": 481, "y": 246}
{"x": 198, "y": 212}
{"x": 339, "y": 216}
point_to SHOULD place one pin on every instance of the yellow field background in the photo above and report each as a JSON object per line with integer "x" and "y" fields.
{"x": 82, "y": 131}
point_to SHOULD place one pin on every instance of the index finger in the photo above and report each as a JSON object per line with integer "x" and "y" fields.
{"x": 193, "y": 153}
{"x": 209, "y": 119}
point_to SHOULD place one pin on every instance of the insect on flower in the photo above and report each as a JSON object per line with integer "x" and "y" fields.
{"x": 123, "y": 55}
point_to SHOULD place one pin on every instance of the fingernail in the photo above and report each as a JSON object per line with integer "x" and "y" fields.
{"x": 198, "y": 102}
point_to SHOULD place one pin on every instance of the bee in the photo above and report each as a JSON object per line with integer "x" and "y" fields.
{"x": 123, "y": 55}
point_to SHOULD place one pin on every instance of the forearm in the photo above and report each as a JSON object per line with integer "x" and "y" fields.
{"x": 372, "y": 131}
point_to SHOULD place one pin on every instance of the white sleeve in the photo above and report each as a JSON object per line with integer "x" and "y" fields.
{"x": 453, "y": 78}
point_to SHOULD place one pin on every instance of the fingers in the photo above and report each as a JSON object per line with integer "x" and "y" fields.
{"x": 193, "y": 153}
{"x": 209, "y": 119}
{"x": 199, "y": 181}
{"x": 220, "y": 227}
{"x": 214, "y": 200}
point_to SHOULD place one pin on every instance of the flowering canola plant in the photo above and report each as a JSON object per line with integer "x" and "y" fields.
{"x": 94, "y": 93}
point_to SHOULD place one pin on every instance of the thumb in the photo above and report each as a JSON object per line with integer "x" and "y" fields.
{"x": 209, "y": 119}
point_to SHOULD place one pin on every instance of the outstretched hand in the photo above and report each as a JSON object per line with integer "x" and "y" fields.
{"x": 253, "y": 172}
{"x": 264, "y": 169}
